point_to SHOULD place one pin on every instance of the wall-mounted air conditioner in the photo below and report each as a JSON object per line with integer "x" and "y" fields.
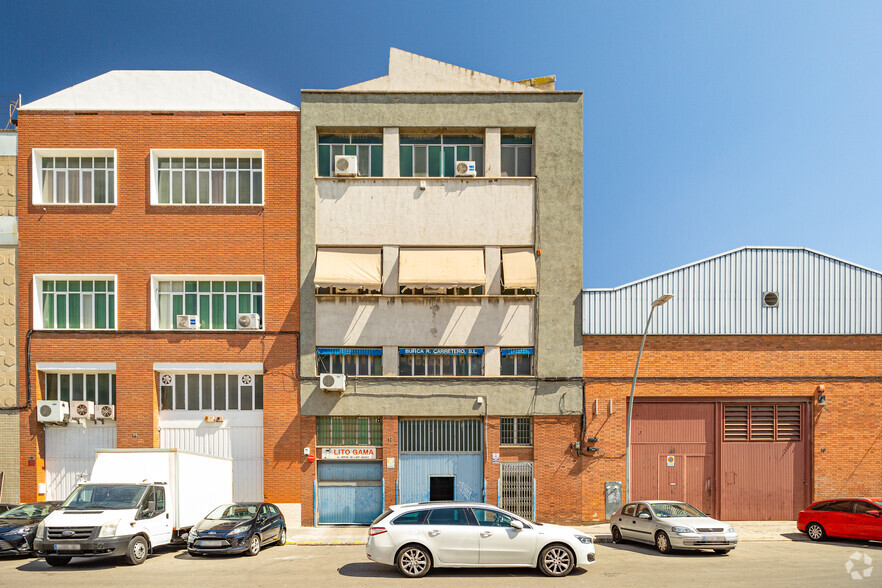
{"x": 82, "y": 409}
{"x": 465, "y": 169}
{"x": 249, "y": 320}
{"x": 52, "y": 411}
{"x": 345, "y": 165}
{"x": 105, "y": 412}
{"x": 332, "y": 382}
{"x": 187, "y": 321}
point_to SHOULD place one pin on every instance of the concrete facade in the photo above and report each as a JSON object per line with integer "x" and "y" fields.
{"x": 8, "y": 339}
{"x": 542, "y": 212}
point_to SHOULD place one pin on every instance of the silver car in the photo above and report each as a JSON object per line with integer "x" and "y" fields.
{"x": 671, "y": 525}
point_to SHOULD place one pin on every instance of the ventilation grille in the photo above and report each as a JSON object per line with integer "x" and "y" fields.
{"x": 770, "y": 299}
{"x": 762, "y": 422}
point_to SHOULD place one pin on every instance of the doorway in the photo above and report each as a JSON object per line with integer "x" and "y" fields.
{"x": 441, "y": 488}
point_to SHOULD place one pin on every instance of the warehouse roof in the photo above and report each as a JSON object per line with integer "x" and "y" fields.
{"x": 153, "y": 90}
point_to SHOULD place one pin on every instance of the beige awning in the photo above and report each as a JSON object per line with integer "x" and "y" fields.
{"x": 519, "y": 268}
{"x": 441, "y": 268}
{"x": 349, "y": 267}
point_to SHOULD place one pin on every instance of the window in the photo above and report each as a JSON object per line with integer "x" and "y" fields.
{"x": 470, "y": 291}
{"x": 74, "y": 177}
{"x": 216, "y": 301}
{"x": 75, "y": 302}
{"x": 491, "y": 518}
{"x": 99, "y": 388}
{"x": 160, "y": 499}
{"x": 414, "y": 517}
{"x": 516, "y": 431}
{"x": 199, "y": 391}
{"x": 630, "y": 510}
{"x": 643, "y": 509}
{"x": 367, "y": 148}
{"x": 440, "y": 361}
{"x": 762, "y": 422}
{"x": 350, "y": 361}
{"x": 861, "y": 507}
{"x": 427, "y": 156}
{"x": 349, "y": 431}
{"x": 449, "y": 516}
{"x": 516, "y": 361}
{"x": 517, "y": 156}
{"x": 209, "y": 180}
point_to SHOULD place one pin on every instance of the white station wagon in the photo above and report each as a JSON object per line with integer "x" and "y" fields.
{"x": 416, "y": 537}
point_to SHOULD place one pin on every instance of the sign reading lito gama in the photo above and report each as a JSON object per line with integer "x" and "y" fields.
{"x": 349, "y": 453}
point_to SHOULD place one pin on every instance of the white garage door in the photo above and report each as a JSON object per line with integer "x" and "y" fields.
{"x": 70, "y": 454}
{"x": 239, "y": 437}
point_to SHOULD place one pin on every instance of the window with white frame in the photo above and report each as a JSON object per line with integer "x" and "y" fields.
{"x": 368, "y": 149}
{"x": 516, "y": 431}
{"x": 75, "y": 302}
{"x": 99, "y": 388}
{"x": 220, "y": 391}
{"x": 215, "y": 301}
{"x": 440, "y": 361}
{"x": 516, "y": 361}
{"x": 352, "y": 361}
{"x": 74, "y": 176}
{"x": 208, "y": 178}
{"x": 517, "y": 155}
{"x": 435, "y": 156}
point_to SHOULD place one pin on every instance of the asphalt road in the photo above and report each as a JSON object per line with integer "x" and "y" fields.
{"x": 760, "y": 563}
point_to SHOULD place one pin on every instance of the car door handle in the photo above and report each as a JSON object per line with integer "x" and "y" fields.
{"x": 486, "y": 533}
{"x": 434, "y": 532}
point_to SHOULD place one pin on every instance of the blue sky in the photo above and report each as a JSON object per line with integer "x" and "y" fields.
{"x": 708, "y": 125}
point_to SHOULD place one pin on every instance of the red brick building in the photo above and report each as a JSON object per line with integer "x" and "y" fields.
{"x": 758, "y": 391}
{"x": 158, "y": 222}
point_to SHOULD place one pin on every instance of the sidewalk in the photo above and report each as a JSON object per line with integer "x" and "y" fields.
{"x": 747, "y": 531}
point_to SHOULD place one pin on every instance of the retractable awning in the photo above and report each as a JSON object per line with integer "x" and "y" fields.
{"x": 519, "y": 268}
{"x": 349, "y": 267}
{"x": 441, "y": 268}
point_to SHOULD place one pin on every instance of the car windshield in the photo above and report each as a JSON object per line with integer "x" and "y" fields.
{"x": 666, "y": 510}
{"x": 233, "y": 512}
{"x": 28, "y": 511}
{"x": 878, "y": 501}
{"x": 105, "y": 496}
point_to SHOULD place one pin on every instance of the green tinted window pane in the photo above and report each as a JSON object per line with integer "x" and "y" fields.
{"x": 177, "y": 308}
{"x": 111, "y": 184}
{"x": 257, "y": 306}
{"x": 61, "y": 311}
{"x": 257, "y": 187}
{"x": 112, "y": 388}
{"x": 104, "y": 389}
{"x": 180, "y": 390}
{"x": 192, "y": 392}
{"x": 205, "y": 286}
{"x": 244, "y": 163}
{"x": 167, "y": 400}
{"x": 48, "y": 286}
{"x": 231, "y": 311}
{"x": 244, "y": 303}
{"x": 220, "y": 392}
{"x": 100, "y": 311}
{"x": 463, "y": 153}
{"x": 48, "y": 311}
{"x": 258, "y": 392}
{"x": 230, "y": 187}
{"x": 244, "y": 187}
{"x": 364, "y": 160}
{"x": 363, "y": 428}
{"x": 368, "y": 139}
{"x": 204, "y": 310}
{"x": 517, "y": 139}
{"x": 51, "y": 392}
{"x": 232, "y": 387}
{"x": 376, "y": 161}
{"x": 478, "y": 157}
{"x": 88, "y": 286}
{"x": 206, "y": 391}
{"x": 449, "y": 162}
{"x": 405, "y": 161}
{"x": 189, "y": 286}
{"x": 244, "y": 286}
{"x": 61, "y": 286}
{"x": 110, "y": 285}
{"x": 190, "y": 303}
{"x": 349, "y": 150}
{"x": 333, "y": 139}
{"x": 64, "y": 387}
{"x": 257, "y": 163}
{"x": 230, "y": 163}
{"x": 101, "y": 286}
{"x": 217, "y": 286}
{"x": 73, "y": 286}
{"x": 231, "y": 286}
{"x": 257, "y": 286}
{"x": 73, "y": 302}
{"x": 434, "y": 161}
{"x": 204, "y": 187}
{"x": 203, "y": 163}
{"x": 217, "y": 311}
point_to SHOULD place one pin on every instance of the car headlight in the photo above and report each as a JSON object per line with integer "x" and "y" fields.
{"x": 41, "y": 530}
{"x": 22, "y": 530}
{"x": 730, "y": 529}
{"x": 192, "y": 533}
{"x": 682, "y": 529}
{"x": 240, "y": 530}
{"x": 584, "y": 539}
{"x": 108, "y": 529}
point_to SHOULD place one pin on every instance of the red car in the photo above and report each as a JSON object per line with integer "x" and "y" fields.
{"x": 847, "y": 518}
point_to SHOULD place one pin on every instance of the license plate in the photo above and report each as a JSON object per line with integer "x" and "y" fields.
{"x": 212, "y": 543}
{"x": 712, "y": 538}
{"x": 67, "y": 547}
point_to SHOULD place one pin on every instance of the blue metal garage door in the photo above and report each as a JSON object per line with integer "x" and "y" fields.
{"x": 437, "y": 453}
{"x": 349, "y": 493}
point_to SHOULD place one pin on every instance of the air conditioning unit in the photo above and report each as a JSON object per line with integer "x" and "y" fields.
{"x": 52, "y": 411}
{"x": 187, "y": 321}
{"x": 345, "y": 165}
{"x": 248, "y": 321}
{"x": 82, "y": 409}
{"x": 105, "y": 412}
{"x": 465, "y": 169}
{"x": 332, "y": 382}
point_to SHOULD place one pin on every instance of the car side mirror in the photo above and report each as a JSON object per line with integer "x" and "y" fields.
{"x": 874, "y": 513}
{"x": 516, "y": 524}
{"x": 644, "y": 515}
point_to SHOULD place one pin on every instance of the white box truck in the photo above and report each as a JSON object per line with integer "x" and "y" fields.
{"x": 135, "y": 500}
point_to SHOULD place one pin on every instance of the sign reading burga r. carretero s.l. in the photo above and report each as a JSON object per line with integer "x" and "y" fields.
{"x": 349, "y": 453}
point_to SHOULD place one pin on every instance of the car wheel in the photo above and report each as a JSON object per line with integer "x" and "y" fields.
{"x": 617, "y": 535}
{"x": 722, "y": 551}
{"x": 283, "y": 537}
{"x": 556, "y": 560}
{"x": 137, "y": 551}
{"x": 662, "y": 542}
{"x": 413, "y": 561}
{"x": 57, "y": 560}
{"x": 253, "y": 545}
{"x": 816, "y": 532}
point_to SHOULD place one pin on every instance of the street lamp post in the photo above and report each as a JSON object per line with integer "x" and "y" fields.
{"x": 655, "y": 304}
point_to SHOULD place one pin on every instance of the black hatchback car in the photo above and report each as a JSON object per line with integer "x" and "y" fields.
{"x": 18, "y": 527}
{"x": 243, "y": 527}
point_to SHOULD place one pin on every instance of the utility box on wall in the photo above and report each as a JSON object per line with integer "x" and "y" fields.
{"x": 613, "y": 497}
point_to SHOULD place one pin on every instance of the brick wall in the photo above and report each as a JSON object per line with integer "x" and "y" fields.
{"x": 134, "y": 240}
{"x": 557, "y": 469}
{"x": 847, "y": 433}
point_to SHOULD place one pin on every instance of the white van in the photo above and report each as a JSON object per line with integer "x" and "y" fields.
{"x": 135, "y": 500}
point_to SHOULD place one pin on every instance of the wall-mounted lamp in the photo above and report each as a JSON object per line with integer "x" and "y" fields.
{"x": 822, "y": 397}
